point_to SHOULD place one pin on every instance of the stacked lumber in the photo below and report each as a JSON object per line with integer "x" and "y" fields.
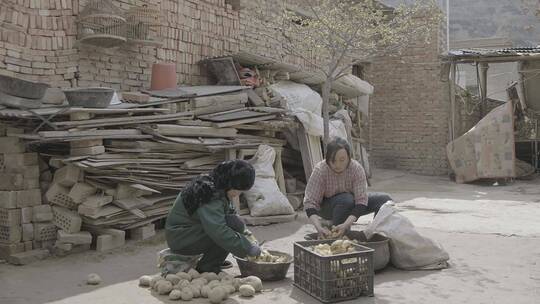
{"x": 116, "y": 171}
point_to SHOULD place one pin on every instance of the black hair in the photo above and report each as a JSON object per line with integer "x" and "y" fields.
{"x": 336, "y": 144}
{"x": 234, "y": 174}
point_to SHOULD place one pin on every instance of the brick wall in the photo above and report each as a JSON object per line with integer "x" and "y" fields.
{"x": 410, "y": 110}
{"x": 38, "y": 42}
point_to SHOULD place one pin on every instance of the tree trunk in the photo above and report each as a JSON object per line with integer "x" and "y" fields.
{"x": 327, "y": 85}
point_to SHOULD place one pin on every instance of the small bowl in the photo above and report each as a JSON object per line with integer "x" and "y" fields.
{"x": 89, "y": 97}
{"x": 263, "y": 270}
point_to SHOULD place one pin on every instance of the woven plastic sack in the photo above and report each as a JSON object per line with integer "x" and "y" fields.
{"x": 265, "y": 198}
{"x": 408, "y": 249}
{"x": 169, "y": 262}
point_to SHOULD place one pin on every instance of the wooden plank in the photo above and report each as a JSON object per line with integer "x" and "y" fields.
{"x": 217, "y": 100}
{"x": 51, "y": 134}
{"x": 125, "y": 120}
{"x": 217, "y": 109}
{"x": 193, "y": 131}
{"x": 278, "y": 168}
{"x": 243, "y": 121}
{"x": 205, "y": 160}
{"x": 220, "y": 117}
{"x": 254, "y": 98}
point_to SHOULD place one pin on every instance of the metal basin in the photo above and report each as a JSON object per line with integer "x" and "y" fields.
{"x": 89, "y": 97}
{"x": 265, "y": 271}
{"x": 22, "y": 88}
{"x": 379, "y": 243}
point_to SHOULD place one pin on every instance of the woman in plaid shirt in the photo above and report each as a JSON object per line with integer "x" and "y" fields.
{"x": 337, "y": 190}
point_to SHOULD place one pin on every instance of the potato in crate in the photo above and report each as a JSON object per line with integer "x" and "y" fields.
{"x": 333, "y": 271}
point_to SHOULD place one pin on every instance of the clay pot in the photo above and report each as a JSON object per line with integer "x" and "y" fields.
{"x": 163, "y": 76}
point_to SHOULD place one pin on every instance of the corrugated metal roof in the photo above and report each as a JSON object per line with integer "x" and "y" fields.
{"x": 473, "y": 52}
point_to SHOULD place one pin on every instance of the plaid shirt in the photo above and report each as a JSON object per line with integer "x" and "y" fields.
{"x": 324, "y": 183}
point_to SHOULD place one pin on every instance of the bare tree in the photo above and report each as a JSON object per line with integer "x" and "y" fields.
{"x": 334, "y": 35}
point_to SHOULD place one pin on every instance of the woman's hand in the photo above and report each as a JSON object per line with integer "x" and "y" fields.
{"x": 345, "y": 226}
{"x": 323, "y": 232}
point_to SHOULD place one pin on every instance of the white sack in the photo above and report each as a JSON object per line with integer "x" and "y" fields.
{"x": 408, "y": 249}
{"x": 265, "y": 198}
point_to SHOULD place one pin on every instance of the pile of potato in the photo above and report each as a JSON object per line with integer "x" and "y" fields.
{"x": 187, "y": 286}
{"x": 267, "y": 257}
{"x": 337, "y": 247}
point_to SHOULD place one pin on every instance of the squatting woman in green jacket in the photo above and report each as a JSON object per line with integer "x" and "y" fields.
{"x": 203, "y": 219}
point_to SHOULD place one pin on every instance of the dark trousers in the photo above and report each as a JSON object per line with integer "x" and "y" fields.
{"x": 213, "y": 255}
{"x": 338, "y": 207}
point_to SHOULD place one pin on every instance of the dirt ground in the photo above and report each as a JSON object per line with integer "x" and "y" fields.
{"x": 492, "y": 234}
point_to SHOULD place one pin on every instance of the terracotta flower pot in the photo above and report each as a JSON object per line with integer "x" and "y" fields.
{"x": 163, "y": 76}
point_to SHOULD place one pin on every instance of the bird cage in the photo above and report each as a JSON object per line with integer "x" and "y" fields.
{"x": 101, "y": 24}
{"x": 143, "y": 25}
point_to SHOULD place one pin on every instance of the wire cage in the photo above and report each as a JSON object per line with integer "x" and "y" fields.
{"x": 101, "y": 24}
{"x": 143, "y": 25}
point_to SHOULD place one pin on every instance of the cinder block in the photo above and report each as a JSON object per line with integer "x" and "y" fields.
{"x": 24, "y": 258}
{"x": 8, "y": 199}
{"x": 42, "y": 213}
{"x": 143, "y": 233}
{"x": 59, "y": 195}
{"x": 81, "y": 191}
{"x": 11, "y": 181}
{"x": 36, "y": 244}
{"x": 18, "y": 160}
{"x": 27, "y": 232}
{"x": 44, "y": 231}
{"x": 31, "y": 172}
{"x": 10, "y": 217}
{"x": 105, "y": 242}
{"x": 31, "y": 183}
{"x": 112, "y": 238}
{"x": 10, "y": 235}
{"x": 67, "y": 176}
{"x": 28, "y": 246}
{"x": 77, "y": 238}
{"x": 66, "y": 219}
{"x": 9, "y": 249}
{"x": 26, "y": 215}
{"x": 28, "y": 198}
{"x": 11, "y": 145}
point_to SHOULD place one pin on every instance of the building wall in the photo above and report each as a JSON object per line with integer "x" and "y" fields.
{"x": 409, "y": 110}
{"x": 38, "y": 42}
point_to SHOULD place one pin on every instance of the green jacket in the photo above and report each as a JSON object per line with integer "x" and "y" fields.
{"x": 183, "y": 230}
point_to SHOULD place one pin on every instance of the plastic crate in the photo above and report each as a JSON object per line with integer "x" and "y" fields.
{"x": 333, "y": 278}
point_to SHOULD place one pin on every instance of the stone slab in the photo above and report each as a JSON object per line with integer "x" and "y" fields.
{"x": 25, "y": 258}
{"x": 77, "y": 238}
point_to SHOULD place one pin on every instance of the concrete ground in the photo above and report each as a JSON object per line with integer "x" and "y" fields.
{"x": 492, "y": 234}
